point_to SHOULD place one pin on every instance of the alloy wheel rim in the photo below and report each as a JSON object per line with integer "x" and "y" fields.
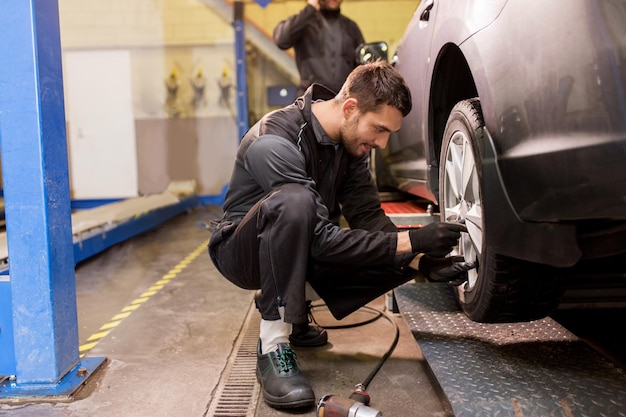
{"x": 462, "y": 202}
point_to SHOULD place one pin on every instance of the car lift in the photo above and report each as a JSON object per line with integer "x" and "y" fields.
{"x": 39, "y": 331}
{"x": 39, "y": 350}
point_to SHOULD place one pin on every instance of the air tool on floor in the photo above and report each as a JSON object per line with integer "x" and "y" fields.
{"x": 354, "y": 406}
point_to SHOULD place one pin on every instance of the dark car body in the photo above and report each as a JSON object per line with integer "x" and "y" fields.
{"x": 547, "y": 80}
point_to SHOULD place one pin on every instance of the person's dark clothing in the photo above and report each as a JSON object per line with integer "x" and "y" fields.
{"x": 324, "y": 43}
{"x": 288, "y": 189}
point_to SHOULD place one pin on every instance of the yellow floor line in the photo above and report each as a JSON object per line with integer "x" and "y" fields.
{"x": 135, "y": 304}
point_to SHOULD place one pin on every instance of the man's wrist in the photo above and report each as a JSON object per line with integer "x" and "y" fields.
{"x": 403, "y": 243}
{"x": 415, "y": 263}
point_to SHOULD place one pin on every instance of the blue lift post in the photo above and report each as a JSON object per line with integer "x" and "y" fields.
{"x": 240, "y": 64}
{"x": 40, "y": 357}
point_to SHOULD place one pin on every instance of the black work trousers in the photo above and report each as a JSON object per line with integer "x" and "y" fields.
{"x": 269, "y": 249}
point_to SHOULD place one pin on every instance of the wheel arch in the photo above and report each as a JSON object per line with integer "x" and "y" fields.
{"x": 452, "y": 81}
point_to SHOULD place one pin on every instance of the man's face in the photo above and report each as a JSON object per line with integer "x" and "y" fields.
{"x": 330, "y": 4}
{"x": 361, "y": 132}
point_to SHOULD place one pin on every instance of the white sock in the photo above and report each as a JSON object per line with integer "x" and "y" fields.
{"x": 274, "y": 332}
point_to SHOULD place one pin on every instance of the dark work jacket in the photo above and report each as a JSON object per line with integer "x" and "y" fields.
{"x": 304, "y": 32}
{"x": 283, "y": 148}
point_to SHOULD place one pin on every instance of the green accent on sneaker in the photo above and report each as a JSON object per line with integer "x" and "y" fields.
{"x": 287, "y": 359}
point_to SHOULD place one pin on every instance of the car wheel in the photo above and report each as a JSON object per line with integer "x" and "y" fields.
{"x": 499, "y": 289}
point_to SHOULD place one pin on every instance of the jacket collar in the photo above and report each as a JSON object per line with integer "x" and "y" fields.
{"x": 313, "y": 93}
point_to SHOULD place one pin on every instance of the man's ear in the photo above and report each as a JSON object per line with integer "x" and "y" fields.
{"x": 349, "y": 106}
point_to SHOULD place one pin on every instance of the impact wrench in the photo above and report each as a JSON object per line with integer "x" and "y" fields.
{"x": 354, "y": 406}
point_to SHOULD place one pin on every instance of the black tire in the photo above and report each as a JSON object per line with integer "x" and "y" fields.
{"x": 500, "y": 289}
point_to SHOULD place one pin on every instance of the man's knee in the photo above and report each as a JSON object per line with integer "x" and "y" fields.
{"x": 292, "y": 202}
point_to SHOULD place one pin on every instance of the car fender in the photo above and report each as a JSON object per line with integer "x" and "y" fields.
{"x": 545, "y": 243}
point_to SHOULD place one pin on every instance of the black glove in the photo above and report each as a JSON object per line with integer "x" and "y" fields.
{"x": 436, "y": 239}
{"x": 453, "y": 268}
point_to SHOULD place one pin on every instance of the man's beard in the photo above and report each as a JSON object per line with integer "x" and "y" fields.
{"x": 349, "y": 139}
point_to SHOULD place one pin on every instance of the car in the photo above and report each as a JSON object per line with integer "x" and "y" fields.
{"x": 518, "y": 130}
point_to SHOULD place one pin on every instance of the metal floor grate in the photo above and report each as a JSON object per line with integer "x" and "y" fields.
{"x": 237, "y": 393}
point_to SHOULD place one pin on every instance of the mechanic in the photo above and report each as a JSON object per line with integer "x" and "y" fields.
{"x": 324, "y": 43}
{"x": 296, "y": 172}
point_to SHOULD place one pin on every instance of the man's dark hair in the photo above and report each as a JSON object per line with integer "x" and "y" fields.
{"x": 375, "y": 84}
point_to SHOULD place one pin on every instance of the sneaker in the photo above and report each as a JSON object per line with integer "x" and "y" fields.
{"x": 303, "y": 334}
{"x": 281, "y": 381}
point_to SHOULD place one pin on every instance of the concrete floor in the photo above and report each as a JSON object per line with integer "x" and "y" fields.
{"x": 174, "y": 353}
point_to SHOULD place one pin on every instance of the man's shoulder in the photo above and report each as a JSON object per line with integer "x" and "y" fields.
{"x": 282, "y": 122}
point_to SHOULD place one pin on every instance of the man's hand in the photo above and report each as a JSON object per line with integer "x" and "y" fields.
{"x": 314, "y": 3}
{"x": 436, "y": 239}
{"x": 451, "y": 269}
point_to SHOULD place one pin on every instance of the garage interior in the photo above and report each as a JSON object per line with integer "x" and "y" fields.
{"x": 152, "y": 115}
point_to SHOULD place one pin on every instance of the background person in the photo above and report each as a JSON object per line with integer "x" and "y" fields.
{"x": 324, "y": 42}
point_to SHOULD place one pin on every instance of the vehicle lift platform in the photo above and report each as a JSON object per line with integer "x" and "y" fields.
{"x": 527, "y": 369}
{"x": 95, "y": 229}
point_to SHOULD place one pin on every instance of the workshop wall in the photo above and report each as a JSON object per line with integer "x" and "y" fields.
{"x": 181, "y": 72}
{"x": 182, "y": 90}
